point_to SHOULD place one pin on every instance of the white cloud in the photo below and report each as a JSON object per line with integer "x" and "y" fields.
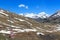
{"x": 24, "y": 6}
{"x": 21, "y": 5}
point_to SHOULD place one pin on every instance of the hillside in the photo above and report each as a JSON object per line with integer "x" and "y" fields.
{"x": 24, "y": 28}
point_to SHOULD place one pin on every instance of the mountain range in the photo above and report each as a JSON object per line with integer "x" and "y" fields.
{"x": 35, "y": 16}
{"x": 22, "y": 27}
{"x": 43, "y": 17}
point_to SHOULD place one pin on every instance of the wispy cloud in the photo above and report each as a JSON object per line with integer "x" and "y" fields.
{"x": 24, "y": 6}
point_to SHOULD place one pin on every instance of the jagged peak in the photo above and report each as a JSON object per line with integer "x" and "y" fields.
{"x": 56, "y": 14}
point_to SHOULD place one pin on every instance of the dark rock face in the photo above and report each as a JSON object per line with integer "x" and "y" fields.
{"x": 50, "y": 37}
{"x": 55, "y": 18}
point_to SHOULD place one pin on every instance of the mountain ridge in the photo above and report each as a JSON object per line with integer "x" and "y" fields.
{"x": 25, "y": 28}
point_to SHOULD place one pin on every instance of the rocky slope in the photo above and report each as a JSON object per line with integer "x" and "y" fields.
{"x": 55, "y": 18}
{"x": 19, "y": 27}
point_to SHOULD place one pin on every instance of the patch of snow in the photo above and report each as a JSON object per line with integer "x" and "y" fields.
{"x": 25, "y": 30}
{"x": 23, "y": 20}
{"x": 15, "y": 26}
{"x": 3, "y": 13}
{"x": 38, "y": 33}
{"x": 29, "y": 23}
{"x": 57, "y": 27}
{"x": 49, "y": 31}
{"x": 9, "y": 25}
{"x": 19, "y": 19}
{"x": 38, "y": 27}
{"x": 4, "y": 31}
{"x": 58, "y": 14}
{"x": 4, "y": 23}
{"x": 19, "y": 30}
{"x": 10, "y": 21}
{"x": 41, "y": 29}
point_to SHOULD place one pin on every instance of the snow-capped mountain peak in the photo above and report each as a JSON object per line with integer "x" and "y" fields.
{"x": 43, "y": 15}
{"x": 57, "y": 14}
{"x": 34, "y": 15}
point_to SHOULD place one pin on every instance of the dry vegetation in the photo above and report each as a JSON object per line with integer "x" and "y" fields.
{"x": 26, "y": 24}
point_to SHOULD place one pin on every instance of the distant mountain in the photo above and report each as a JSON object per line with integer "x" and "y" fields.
{"x": 57, "y": 14}
{"x": 40, "y": 17}
{"x": 35, "y": 16}
{"x": 55, "y": 18}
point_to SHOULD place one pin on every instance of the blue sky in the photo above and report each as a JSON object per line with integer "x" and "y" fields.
{"x": 31, "y": 6}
